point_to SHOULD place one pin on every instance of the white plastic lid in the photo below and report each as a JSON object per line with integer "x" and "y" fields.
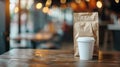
{"x": 85, "y": 39}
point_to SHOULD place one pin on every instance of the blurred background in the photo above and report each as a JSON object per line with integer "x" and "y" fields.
{"x": 48, "y": 24}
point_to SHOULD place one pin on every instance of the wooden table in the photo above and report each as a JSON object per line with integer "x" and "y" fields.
{"x": 55, "y": 58}
{"x": 34, "y": 37}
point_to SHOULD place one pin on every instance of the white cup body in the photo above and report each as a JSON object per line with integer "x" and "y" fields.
{"x": 85, "y": 47}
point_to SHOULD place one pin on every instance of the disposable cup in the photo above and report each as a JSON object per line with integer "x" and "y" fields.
{"x": 85, "y": 47}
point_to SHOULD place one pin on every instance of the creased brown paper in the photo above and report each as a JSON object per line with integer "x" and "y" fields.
{"x": 86, "y": 25}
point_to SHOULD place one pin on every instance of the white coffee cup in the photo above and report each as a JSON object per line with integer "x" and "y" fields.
{"x": 85, "y": 47}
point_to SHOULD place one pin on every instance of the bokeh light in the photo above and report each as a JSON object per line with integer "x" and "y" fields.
{"x": 45, "y": 9}
{"x": 117, "y": 1}
{"x": 48, "y": 2}
{"x": 63, "y": 1}
{"x": 99, "y": 4}
{"x": 16, "y": 10}
{"x": 38, "y": 5}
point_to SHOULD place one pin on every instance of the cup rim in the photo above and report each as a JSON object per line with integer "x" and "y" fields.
{"x": 85, "y": 39}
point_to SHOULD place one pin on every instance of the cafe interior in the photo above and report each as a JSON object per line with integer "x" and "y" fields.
{"x": 40, "y": 33}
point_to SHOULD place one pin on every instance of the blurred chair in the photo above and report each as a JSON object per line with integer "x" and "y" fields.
{"x": 108, "y": 39}
{"x": 116, "y": 35}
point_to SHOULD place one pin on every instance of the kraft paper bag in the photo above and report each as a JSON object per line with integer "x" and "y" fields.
{"x": 86, "y": 25}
